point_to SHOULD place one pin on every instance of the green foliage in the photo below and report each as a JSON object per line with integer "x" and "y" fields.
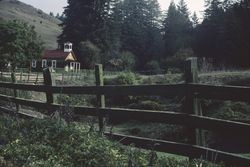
{"x": 228, "y": 110}
{"x": 179, "y": 58}
{"x": 177, "y": 28}
{"x": 125, "y": 61}
{"x": 48, "y": 31}
{"x": 136, "y": 26}
{"x": 126, "y": 79}
{"x": 77, "y": 100}
{"x": 128, "y": 61}
{"x": 195, "y": 20}
{"x": 90, "y": 18}
{"x": 153, "y": 66}
{"x": 50, "y": 143}
{"x": 89, "y": 54}
{"x": 140, "y": 30}
{"x": 223, "y": 34}
{"x": 19, "y": 43}
{"x": 114, "y": 27}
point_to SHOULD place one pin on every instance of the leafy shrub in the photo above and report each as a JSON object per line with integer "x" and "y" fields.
{"x": 153, "y": 66}
{"x": 128, "y": 60}
{"x": 177, "y": 61}
{"x": 227, "y": 110}
{"x": 122, "y": 79}
{"x": 126, "y": 79}
{"x": 49, "y": 143}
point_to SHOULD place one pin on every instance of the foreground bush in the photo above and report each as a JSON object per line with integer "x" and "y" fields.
{"x": 48, "y": 143}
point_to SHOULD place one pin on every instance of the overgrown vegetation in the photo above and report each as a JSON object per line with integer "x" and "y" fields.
{"x": 50, "y": 143}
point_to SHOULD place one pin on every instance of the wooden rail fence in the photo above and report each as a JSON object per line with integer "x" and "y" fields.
{"x": 23, "y": 77}
{"x": 191, "y": 117}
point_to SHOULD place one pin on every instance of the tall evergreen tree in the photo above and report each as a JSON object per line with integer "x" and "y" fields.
{"x": 177, "y": 28}
{"x": 224, "y": 33}
{"x": 210, "y": 33}
{"x": 183, "y": 9}
{"x": 84, "y": 20}
{"x": 140, "y": 27}
{"x": 114, "y": 32}
{"x": 195, "y": 20}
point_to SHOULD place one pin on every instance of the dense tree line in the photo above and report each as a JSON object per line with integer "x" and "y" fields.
{"x": 135, "y": 34}
{"x": 224, "y": 33}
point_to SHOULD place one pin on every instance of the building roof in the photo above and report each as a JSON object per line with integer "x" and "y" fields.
{"x": 57, "y": 54}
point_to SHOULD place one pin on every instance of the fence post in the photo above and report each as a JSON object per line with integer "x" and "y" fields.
{"x": 28, "y": 77}
{"x": 37, "y": 75}
{"x": 100, "y": 98}
{"x": 1, "y": 75}
{"x": 13, "y": 79}
{"x": 48, "y": 82}
{"x": 196, "y": 136}
{"x": 21, "y": 75}
{"x": 63, "y": 77}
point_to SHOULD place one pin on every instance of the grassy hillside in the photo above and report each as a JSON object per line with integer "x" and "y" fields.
{"x": 45, "y": 25}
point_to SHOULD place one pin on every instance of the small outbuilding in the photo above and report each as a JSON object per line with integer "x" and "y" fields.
{"x": 64, "y": 59}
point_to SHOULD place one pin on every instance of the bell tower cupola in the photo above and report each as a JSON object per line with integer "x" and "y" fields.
{"x": 68, "y": 47}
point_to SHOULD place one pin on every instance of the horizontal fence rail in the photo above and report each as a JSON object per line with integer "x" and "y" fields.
{"x": 190, "y": 117}
{"x": 170, "y": 117}
{"x": 182, "y": 149}
{"x": 166, "y": 90}
{"x": 236, "y": 93}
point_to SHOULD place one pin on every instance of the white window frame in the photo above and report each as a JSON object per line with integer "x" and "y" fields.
{"x": 33, "y": 64}
{"x": 78, "y": 67}
{"x": 44, "y": 63}
{"x": 53, "y": 64}
{"x": 72, "y": 65}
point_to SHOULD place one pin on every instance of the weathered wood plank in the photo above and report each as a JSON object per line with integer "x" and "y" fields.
{"x": 191, "y": 104}
{"x": 79, "y": 110}
{"x": 167, "y": 117}
{"x": 182, "y": 149}
{"x": 48, "y": 82}
{"x": 100, "y": 99}
{"x": 12, "y": 112}
{"x": 170, "y": 117}
{"x": 235, "y": 93}
{"x": 165, "y": 90}
{"x": 201, "y": 91}
{"x": 13, "y": 78}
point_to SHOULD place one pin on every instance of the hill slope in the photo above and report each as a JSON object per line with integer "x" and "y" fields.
{"x": 45, "y": 25}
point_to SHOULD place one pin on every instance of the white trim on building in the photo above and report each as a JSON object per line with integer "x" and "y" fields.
{"x": 44, "y": 63}
{"x": 53, "y": 65}
{"x": 33, "y": 64}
